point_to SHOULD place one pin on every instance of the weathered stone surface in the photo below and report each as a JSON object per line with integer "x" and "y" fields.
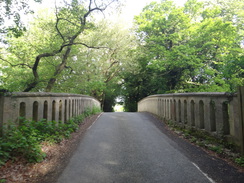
{"x": 214, "y": 112}
{"x": 40, "y": 105}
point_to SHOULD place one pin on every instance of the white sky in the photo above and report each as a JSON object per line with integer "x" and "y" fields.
{"x": 132, "y": 7}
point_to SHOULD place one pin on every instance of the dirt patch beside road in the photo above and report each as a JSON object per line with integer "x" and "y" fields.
{"x": 58, "y": 156}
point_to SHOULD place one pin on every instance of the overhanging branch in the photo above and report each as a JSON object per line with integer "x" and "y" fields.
{"x": 15, "y": 65}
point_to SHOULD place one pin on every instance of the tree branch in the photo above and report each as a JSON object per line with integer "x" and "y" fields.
{"x": 112, "y": 75}
{"x": 66, "y": 43}
{"x": 69, "y": 67}
{"x": 59, "y": 33}
{"x": 94, "y": 47}
{"x": 15, "y": 65}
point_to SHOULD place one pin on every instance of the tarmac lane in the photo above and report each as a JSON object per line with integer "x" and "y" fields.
{"x": 130, "y": 148}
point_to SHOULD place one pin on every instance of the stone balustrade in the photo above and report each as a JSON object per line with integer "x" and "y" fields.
{"x": 216, "y": 113}
{"x": 60, "y": 107}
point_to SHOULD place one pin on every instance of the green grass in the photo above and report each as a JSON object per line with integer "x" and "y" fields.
{"x": 25, "y": 140}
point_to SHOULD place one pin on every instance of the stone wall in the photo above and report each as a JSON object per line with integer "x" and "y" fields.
{"x": 216, "y": 113}
{"x": 36, "y": 106}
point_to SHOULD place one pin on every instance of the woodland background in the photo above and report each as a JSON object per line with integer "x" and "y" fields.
{"x": 198, "y": 47}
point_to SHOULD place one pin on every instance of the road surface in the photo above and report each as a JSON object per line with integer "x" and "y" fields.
{"x": 130, "y": 148}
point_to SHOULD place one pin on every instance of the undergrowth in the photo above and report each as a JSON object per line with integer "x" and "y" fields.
{"x": 25, "y": 140}
{"x": 204, "y": 139}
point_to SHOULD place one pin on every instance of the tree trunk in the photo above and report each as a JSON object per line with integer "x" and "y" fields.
{"x": 58, "y": 70}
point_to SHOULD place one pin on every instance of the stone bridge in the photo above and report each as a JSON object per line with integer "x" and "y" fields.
{"x": 36, "y": 106}
{"x": 220, "y": 114}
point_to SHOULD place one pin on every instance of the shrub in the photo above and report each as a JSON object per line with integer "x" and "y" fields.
{"x": 25, "y": 140}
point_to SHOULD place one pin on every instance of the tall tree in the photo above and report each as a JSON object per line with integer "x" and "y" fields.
{"x": 193, "y": 45}
{"x": 97, "y": 72}
{"x": 69, "y": 23}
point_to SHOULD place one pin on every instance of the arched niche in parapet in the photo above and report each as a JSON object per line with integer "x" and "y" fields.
{"x": 65, "y": 110}
{"x": 45, "y": 110}
{"x": 201, "y": 114}
{"x": 53, "y": 110}
{"x": 70, "y": 108}
{"x": 73, "y": 108}
{"x": 185, "y": 111}
{"x": 179, "y": 111}
{"x": 174, "y": 111}
{"x": 192, "y": 113}
{"x": 22, "y": 112}
{"x": 212, "y": 108}
{"x": 60, "y": 110}
{"x": 226, "y": 117}
{"x": 35, "y": 111}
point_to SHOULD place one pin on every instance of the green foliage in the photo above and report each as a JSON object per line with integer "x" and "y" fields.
{"x": 218, "y": 149}
{"x": 3, "y": 180}
{"x": 60, "y": 47}
{"x": 91, "y": 71}
{"x": 22, "y": 141}
{"x": 203, "y": 139}
{"x": 240, "y": 161}
{"x": 25, "y": 140}
{"x": 195, "y": 48}
{"x": 12, "y": 11}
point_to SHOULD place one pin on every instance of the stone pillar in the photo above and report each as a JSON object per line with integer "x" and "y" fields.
{"x": 40, "y": 109}
{"x": 189, "y": 116}
{"x": 234, "y": 120}
{"x": 1, "y": 113}
{"x": 207, "y": 125}
{"x": 182, "y": 101}
{"x": 197, "y": 114}
{"x": 62, "y": 109}
{"x": 177, "y": 112}
{"x": 241, "y": 116}
{"x": 222, "y": 121}
{"x": 50, "y": 109}
{"x": 169, "y": 109}
{"x": 57, "y": 111}
{"x": 29, "y": 109}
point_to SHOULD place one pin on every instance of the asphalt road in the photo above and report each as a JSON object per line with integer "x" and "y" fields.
{"x": 130, "y": 148}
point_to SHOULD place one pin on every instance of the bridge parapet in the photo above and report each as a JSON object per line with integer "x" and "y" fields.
{"x": 216, "y": 113}
{"x": 36, "y": 106}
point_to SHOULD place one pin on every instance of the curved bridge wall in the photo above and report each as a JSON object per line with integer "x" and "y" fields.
{"x": 36, "y": 106}
{"x": 216, "y": 113}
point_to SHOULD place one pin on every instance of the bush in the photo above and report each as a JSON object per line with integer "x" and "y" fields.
{"x": 240, "y": 161}
{"x": 25, "y": 140}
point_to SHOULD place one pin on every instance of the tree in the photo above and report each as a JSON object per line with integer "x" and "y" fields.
{"x": 141, "y": 81}
{"x": 11, "y": 11}
{"x": 97, "y": 72}
{"x": 165, "y": 29}
{"x": 69, "y": 23}
{"x": 93, "y": 70}
{"x": 193, "y": 46}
